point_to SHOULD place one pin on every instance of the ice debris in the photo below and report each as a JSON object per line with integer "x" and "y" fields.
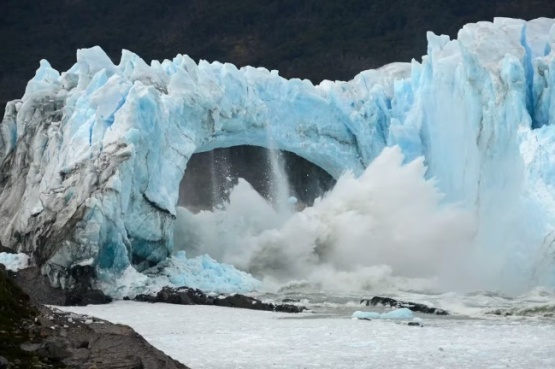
{"x": 14, "y": 262}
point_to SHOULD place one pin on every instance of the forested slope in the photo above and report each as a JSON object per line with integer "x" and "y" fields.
{"x": 314, "y": 39}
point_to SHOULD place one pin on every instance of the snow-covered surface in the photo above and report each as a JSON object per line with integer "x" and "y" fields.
{"x": 213, "y": 337}
{"x": 14, "y": 262}
{"x": 110, "y": 144}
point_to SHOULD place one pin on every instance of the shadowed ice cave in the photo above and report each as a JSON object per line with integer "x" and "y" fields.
{"x": 224, "y": 190}
{"x": 211, "y": 175}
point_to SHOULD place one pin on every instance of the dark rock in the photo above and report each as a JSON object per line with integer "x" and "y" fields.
{"x": 285, "y": 301}
{"x": 92, "y": 297}
{"x": 54, "y": 350}
{"x": 82, "y": 345}
{"x": 7, "y": 251}
{"x": 179, "y": 296}
{"x": 39, "y": 289}
{"x": 183, "y": 296}
{"x": 146, "y": 298}
{"x": 387, "y": 301}
{"x": 82, "y": 277}
{"x": 285, "y": 308}
{"x": 192, "y": 296}
{"x": 243, "y": 302}
{"x": 31, "y": 347}
{"x": 33, "y": 337}
{"x": 415, "y": 324}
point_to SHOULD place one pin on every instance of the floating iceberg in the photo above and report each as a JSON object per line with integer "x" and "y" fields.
{"x": 91, "y": 159}
{"x": 397, "y": 314}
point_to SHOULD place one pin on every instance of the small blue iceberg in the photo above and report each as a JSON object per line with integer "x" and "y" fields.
{"x": 399, "y": 314}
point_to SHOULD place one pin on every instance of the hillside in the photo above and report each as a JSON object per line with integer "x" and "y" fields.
{"x": 311, "y": 39}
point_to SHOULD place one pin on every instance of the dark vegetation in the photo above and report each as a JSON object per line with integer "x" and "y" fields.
{"x": 314, "y": 39}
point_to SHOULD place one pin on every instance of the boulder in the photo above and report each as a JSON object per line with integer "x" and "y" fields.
{"x": 192, "y": 296}
{"x": 41, "y": 292}
{"x": 34, "y": 336}
{"x": 416, "y": 307}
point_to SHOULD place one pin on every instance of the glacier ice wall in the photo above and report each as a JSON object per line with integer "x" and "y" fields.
{"x": 91, "y": 159}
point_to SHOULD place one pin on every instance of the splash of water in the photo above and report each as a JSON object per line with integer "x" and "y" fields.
{"x": 279, "y": 183}
{"x": 219, "y": 175}
{"x": 388, "y": 223}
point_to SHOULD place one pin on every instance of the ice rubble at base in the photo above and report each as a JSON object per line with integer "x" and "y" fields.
{"x": 200, "y": 272}
{"x": 101, "y": 148}
{"x": 14, "y": 262}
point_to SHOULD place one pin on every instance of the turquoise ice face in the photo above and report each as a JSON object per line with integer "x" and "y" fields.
{"x": 110, "y": 143}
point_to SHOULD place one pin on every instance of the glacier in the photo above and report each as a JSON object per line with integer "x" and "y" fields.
{"x": 91, "y": 158}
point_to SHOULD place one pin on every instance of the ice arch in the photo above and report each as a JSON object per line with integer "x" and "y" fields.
{"x": 92, "y": 158}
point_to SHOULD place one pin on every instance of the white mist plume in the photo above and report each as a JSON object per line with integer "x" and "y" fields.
{"x": 389, "y": 221}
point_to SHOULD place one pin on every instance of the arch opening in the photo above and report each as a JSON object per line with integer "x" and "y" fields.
{"x": 211, "y": 175}
{"x": 229, "y": 194}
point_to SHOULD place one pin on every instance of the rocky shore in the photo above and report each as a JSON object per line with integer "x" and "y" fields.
{"x": 35, "y": 336}
{"x": 192, "y": 296}
{"x": 413, "y": 306}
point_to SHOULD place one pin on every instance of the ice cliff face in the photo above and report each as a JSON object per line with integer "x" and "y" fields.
{"x": 91, "y": 159}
